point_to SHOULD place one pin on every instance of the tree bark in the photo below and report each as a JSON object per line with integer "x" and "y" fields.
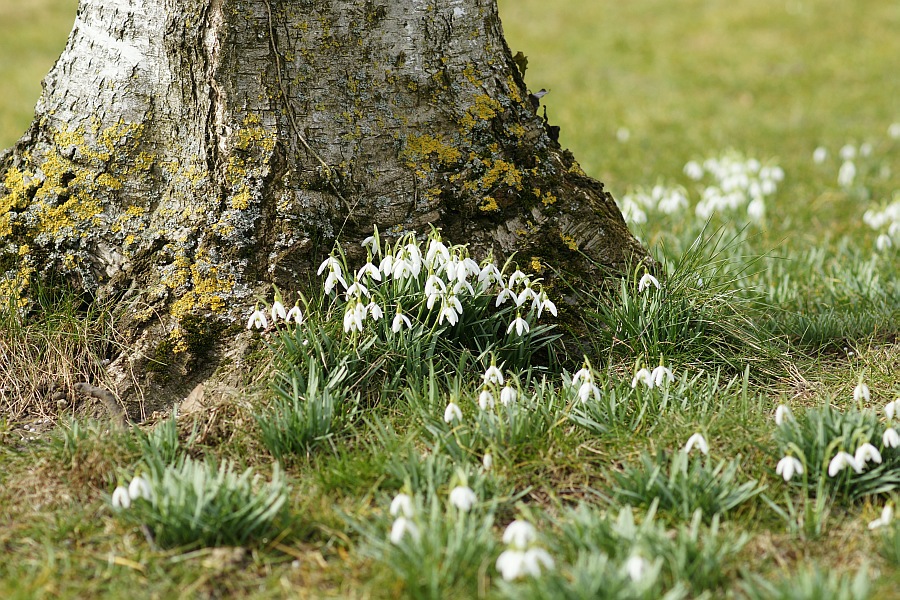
{"x": 185, "y": 154}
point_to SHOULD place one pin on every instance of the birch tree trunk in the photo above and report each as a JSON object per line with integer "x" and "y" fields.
{"x": 186, "y": 154}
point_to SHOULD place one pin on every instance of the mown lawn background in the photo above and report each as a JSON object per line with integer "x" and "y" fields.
{"x": 797, "y": 308}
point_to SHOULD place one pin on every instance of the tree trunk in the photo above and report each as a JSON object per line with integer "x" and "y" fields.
{"x": 185, "y": 154}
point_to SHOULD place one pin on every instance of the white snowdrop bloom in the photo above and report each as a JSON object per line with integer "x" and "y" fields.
{"x": 819, "y": 155}
{"x": 332, "y": 264}
{"x": 493, "y": 375}
{"x": 887, "y": 515}
{"x": 632, "y": 211}
{"x": 399, "y": 321}
{"x": 541, "y": 303}
{"x": 257, "y": 320}
{"x": 584, "y": 375}
{"x": 865, "y": 149}
{"x": 661, "y": 376}
{"x": 693, "y": 170}
{"x": 841, "y": 461}
{"x": 295, "y": 315}
{"x": 459, "y": 286}
{"x": 894, "y": 131}
{"x": 623, "y": 134}
{"x": 489, "y": 275}
{"x": 788, "y": 466}
{"x": 891, "y": 439}
{"x": 516, "y": 276}
{"x": 861, "y": 392}
{"x": 519, "y": 534}
{"x": 848, "y": 152}
{"x": 642, "y": 376}
{"x": 401, "y": 269}
{"x": 485, "y": 400}
{"x": 646, "y": 281}
{"x": 891, "y": 408}
{"x": 386, "y": 266}
{"x": 463, "y": 498}
{"x": 278, "y": 311}
{"x": 432, "y": 299}
{"x": 355, "y": 290}
{"x": 120, "y": 498}
{"x": 636, "y": 567}
{"x": 846, "y": 174}
{"x": 139, "y": 488}
{"x": 369, "y": 243}
{"x": 487, "y": 461}
{"x": 867, "y": 453}
{"x": 447, "y": 312}
{"x": 756, "y": 210}
{"x": 673, "y": 202}
{"x": 333, "y": 278}
{"x": 472, "y": 268}
{"x": 437, "y": 249}
{"x": 511, "y": 564}
{"x": 535, "y": 560}
{"x": 520, "y": 325}
{"x": 402, "y": 527}
{"x": 452, "y": 412}
{"x": 523, "y": 297}
{"x": 696, "y": 440}
{"x": 370, "y": 270}
{"x": 883, "y": 242}
{"x": 782, "y": 414}
{"x": 504, "y": 295}
{"x": 454, "y": 303}
{"x": 414, "y": 258}
{"x": 402, "y": 505}
{"x": 374, "y": 310}
{"x": 508, "y": 395}
{"x": 353, "y": 318}
{"x": 587, "y": 390}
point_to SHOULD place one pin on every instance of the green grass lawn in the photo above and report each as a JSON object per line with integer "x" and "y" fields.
{"x": 346, "y": 471}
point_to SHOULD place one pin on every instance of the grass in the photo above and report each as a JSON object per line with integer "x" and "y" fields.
{"x": 792, "y": 307}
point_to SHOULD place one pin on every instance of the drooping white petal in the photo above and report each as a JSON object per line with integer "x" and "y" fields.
{"x": 402, "y": 504}
{"x": 485, "y": 400}
{"x": 662, "y": 375}
{"x": 120, "y": 498}
{"x": 536, "y": 559}
{"x": 646, "y": 281}
{"x": 782, "y": 414}
{"x": 511, "y": 564}
{"x": 636, "y": 567}
{"x": 399, "y": 320}
{"x": 891, "y": 439}
{"x": 508, "y": 395}
{"x": 278, "y": 311}
{"x": 861, "y": 392}
{"x": 463, "y": 498}
{"x": 519, "y": 534}
{"x": 696, "y": 440}
{"x": 788, "y": 466}
{"x": 841, "y": 461}
{"x": 295, "y": 315}
{"x": 403, "y": 526}
{"x": 865, "y": 453}
{"x": 257, "y": 320}
{"x": 139, "y": 488}
{"x": 643, "y": 376}
{"x": 493, "y": 375}
{"x": 452, "y": 412}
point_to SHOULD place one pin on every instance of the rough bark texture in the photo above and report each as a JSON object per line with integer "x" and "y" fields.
{"x": 186, "y": 152}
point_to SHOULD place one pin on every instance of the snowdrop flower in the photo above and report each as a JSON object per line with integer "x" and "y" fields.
{"x": 353, "y": 318}
{"x": 278, "y": 311}
{"x": 448, "y": 313}
{"x": 698, "y": 440}
{"x": 890, "y": 408}
{"x": 891, "y": 439}
{"x": 120, "y": 498}
{"x": 402, "y": 505}
{"x": 841, "y": 461}
{"x": 375, "y": 311}
{"x": 519, "y": 534}
{"x": 257, "y": 320}
{"x": 865, "y": 149}
{"x": 463, "y": 285}
{"x": 139, "y": 488}
{"x": 452, "y": 412}
{"x": 894, "y": 131}
{"x": 356, "y": 290}
{"x": 646, "y": 281}
{"x": 508, "y": 395}
{"x": 493, "y": 375}
{"x": 436, "y": 248}
{"x": 333, "y": 278}
{"x": 642, "y": 376}
{"x": 541, "y": 303}
{"x": 520, "y": 325}
{"x": 386, "y": 265}
{"x": 756, "y": 210}
{"x": 462, "y": 497}
{"x": 846, "y": 174}
{"x": 514, "y": 564}
{"x": 401, "y": 527}
{"x": 485, "y": 400}
{"x": 398, "y": 322}
{"x": 662, "y": 375}
{"x": 788, "y": 466}
{"x": 865, "y": 453}
{"x": 782, "y": 414}
{"x": 487, "y": 461}
{"x": 587, "y": 390}
{"x": 516, "y": 276}
{"x": 883, "y": 242}
{"x": 887, "y": 515}
{"x": 295, "y": 315}
{"x": 370, "y": 270}
{"x": 434, "y": 286}
{"x": 861, "y": 392}
{"x": 369, "y": 243}
{"x": 505, "y": 293}
{"x": 489, "y": 275}
{"x": 636, "y": 567}
{"x": 819, "y": 155}
{"x": 693, "y": 170}
{"x": 330, "y": 263}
